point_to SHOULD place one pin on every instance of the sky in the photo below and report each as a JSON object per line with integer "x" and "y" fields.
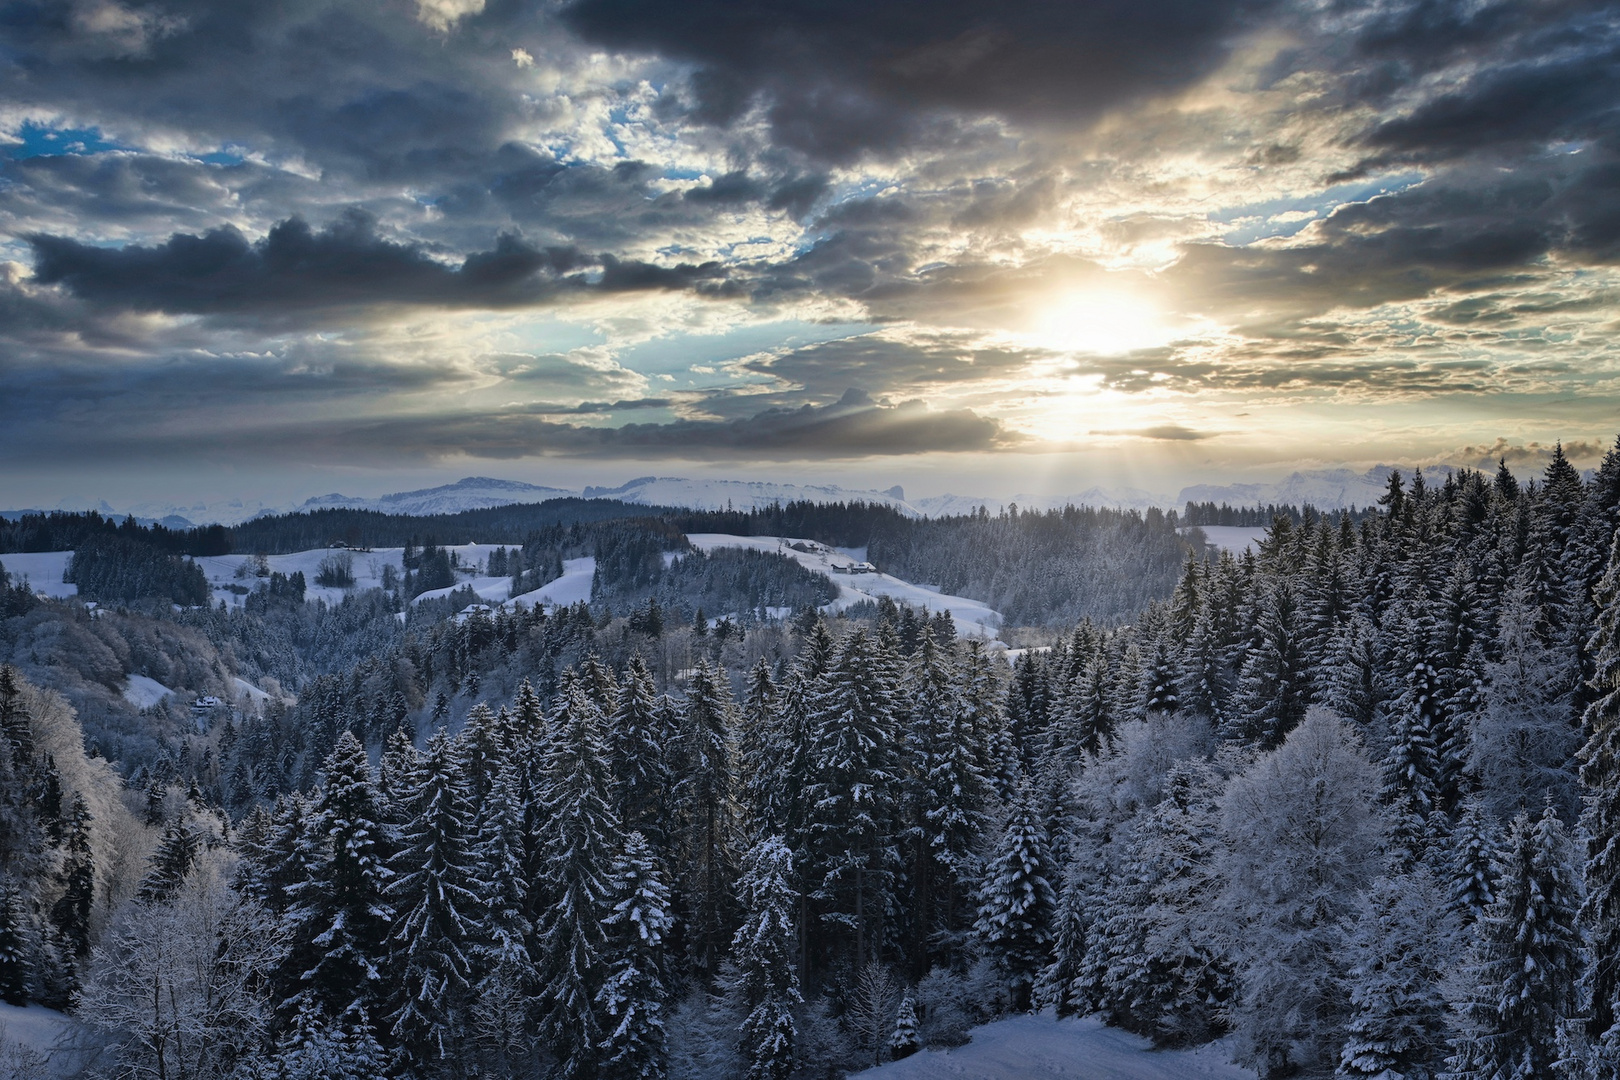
{"x": 297, "y": 246}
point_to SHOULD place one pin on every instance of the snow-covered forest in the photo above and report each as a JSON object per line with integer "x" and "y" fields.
{"x": 1350, "y": 802}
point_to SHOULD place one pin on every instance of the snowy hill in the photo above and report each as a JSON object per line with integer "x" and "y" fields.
{"x": 470, "y": 493}
{"x": 972, "y": 618}
{"x": 1028, "y": 1046}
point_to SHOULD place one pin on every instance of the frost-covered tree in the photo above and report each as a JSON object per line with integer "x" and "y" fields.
{"x": 571, "y": 958}
{"x": 16, "y": 968}
{"x": 706, "y": 813}
{"x": 1403, "y": 946}
{"x": 438, "y": 895}
{"x": 1471, "y": 864}
{"x": 1525, "y": 741}
{"x": 70, "y": 914}
{"x": 1521, "y": 981}
{"x": 1600, "y": 776}
{"x": 1302, "y": 837}
{"x": 944, "y": 798}
{"x": 180, "y": 984}
{"x": 851, "y": 792}
{"x": 1017, "y": 904}
{"x": 340, "y": 918}
{"x": 1274, "y": 684}
{"x": 1055, "y": 989}
{"x": 634, "y": 1044}
{"x": 763, "y": 950}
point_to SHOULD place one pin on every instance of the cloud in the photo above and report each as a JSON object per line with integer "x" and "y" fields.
{"x": 841, "y": 79}
{"x": 1162, "y": 432}
{"x": 345, "y": 266}
{"x": 852, "y": 427}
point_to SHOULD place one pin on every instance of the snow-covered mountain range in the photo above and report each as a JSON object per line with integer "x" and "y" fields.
{"x": 1326, "y": 489}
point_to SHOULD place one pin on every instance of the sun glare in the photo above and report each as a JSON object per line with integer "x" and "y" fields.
{"x": 1101, "y": 322}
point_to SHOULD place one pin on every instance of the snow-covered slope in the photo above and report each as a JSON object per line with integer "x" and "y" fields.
{"x": 572, "y": 588}
{"x": 1023, "y": 1047}
{"x": 33, "y": 1043}
{"x": 43, "y": 569}
{"x": 972, "y": 618}
{"x": 143, "y": 692}
{"x": 742, "y": 494}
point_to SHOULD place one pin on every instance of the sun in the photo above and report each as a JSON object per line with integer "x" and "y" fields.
{"x": 1106, "y": 322}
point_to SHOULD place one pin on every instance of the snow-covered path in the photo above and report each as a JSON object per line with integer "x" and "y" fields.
{"x": 1027, "y": 1047}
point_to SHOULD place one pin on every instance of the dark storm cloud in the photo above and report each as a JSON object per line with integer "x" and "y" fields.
{"x": 854, "y": 426}
{"x": 345, "y": 266}
{"x": 848, "y": 76}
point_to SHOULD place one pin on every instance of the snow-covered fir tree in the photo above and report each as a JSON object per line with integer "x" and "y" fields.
{"x": 764, "y": 950}
{"x": 1521, "y": 979}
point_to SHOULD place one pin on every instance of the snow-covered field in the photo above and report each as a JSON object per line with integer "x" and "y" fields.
{"x": 972, "y": 618}
{"x": 1235, "y": 538}
{"x": 143, "y": 692}
{"x": 1024, "y": 1047}
{"x": 220, "y": 570}
{"x": 43, "y": 569}
{"x": 29, "y": 1039}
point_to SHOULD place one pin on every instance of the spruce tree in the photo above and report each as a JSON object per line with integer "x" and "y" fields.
{"x": 634, "y": 1044}
{"x": 571, "y": 957}
{"x": 16, "y": 968}
{"x": 638, "y": 757}
{"x": 849, "y": 796}
{"x": 71, "y": 913}
{"x": 1403, "y": 949}
{"x": 437, "y": 894}
{"x": 339, "y": 917}
{"x": 171, "y": 861}
{"x": 1017, "y": 904}
{"x": 1525, "y": 962}
{"x": 1274, "y": 686}
{"x": 1600, "y": 776}
{"x": 905, "y": 1040}
{"x": 763, "y": 950}
{"x": 1471, "y": 865}
{"x": 706, "y": 813}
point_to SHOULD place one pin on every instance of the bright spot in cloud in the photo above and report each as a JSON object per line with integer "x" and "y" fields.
{"x": 1100, "y": 321}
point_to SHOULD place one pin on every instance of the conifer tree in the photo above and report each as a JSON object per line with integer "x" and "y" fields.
{"x": 1274, "y": 685}
{"x": 1017, "y": 904}
{"x": 706, "y": 811}
{"x": 339, "y": 917}
{"x": 1472, "y": 862}
{"x": 16, "y": 968}
{"x": 71, "y": 912}
{"x": 763, "y": 950}
{"x": 944, "y": 798}
{"x": 571, "y": 951}
{"x": 761, "y": 748}
{"x": 1600, "y": 776}
{"x": 1403, "y": 948}
{"x": 637, "y": 752}
{"x": 1525, "y": 961}
{"x": 171, "y": 861}
{"x": 633, "y": 997}
{"x": 905, "y": 1041}
{"x": 849, "y": 796}
{"x": 437, "y": 894}
{"x": 1056, "y": 987}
